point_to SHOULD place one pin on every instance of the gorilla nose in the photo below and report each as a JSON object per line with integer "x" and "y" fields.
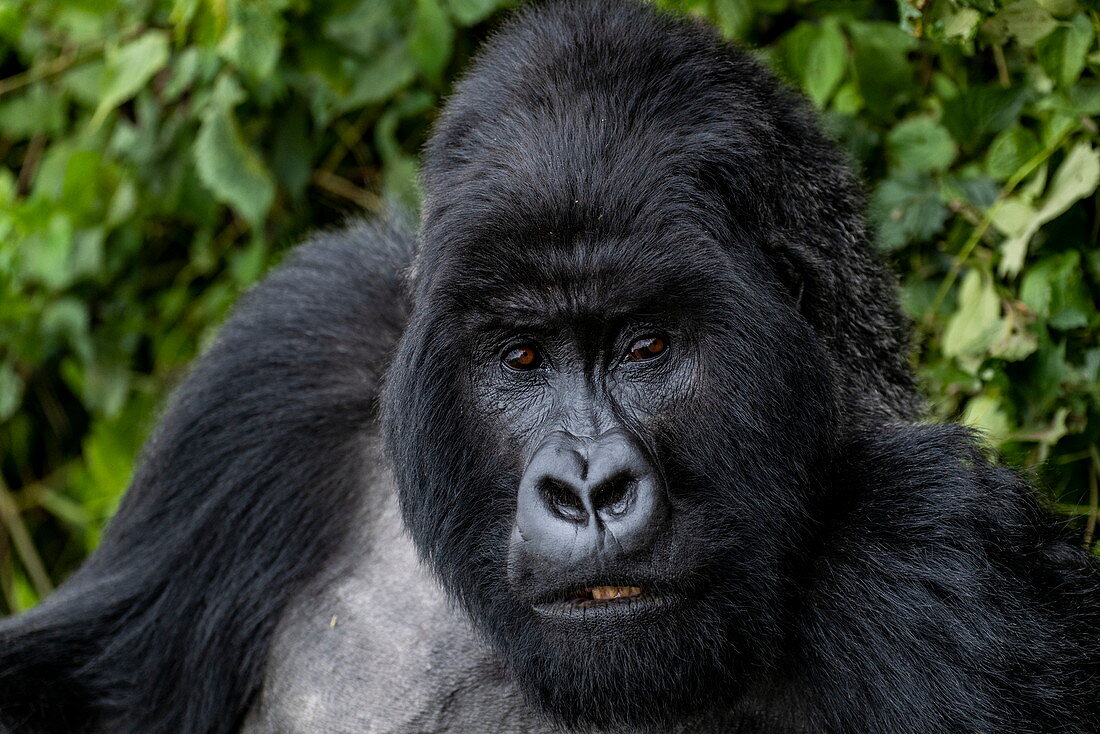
{"x": 589, "y": 496}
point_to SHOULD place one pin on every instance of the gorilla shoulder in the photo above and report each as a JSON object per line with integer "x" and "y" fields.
{"x": 241, "y": 497}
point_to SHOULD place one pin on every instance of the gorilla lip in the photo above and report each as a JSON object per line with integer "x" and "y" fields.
{"x": 598, "y": 601}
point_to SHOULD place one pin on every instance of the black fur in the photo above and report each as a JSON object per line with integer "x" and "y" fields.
{"x": 239, "y": 498}
{"x": 853, "y": 571}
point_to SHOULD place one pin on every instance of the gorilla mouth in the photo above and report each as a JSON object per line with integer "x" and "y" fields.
{"x": 604, "y": 594}
{"x": 611, "y": 602}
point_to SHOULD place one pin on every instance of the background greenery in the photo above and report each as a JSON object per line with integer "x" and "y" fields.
{"x": 157, "y": 156}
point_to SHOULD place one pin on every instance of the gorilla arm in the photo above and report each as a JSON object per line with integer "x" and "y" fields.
{"x": 944, "y": 597}
{"x": 245, "y": 490}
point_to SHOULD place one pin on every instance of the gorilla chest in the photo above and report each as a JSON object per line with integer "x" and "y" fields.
{"x": 378, "y": 649}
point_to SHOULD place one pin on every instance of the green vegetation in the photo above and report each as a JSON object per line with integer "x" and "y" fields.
{"x": 156, "y": 157}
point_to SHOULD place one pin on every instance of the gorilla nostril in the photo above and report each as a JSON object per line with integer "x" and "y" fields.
{"x": 614, "y": 495}
{"x": 562, "y": 500}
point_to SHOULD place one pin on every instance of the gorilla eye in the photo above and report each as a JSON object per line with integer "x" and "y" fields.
{"x": 647, "y": 347}
{"x": 522, "y": 357}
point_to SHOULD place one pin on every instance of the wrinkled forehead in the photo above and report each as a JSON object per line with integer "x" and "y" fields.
{"x": 552, "y": 278}
{"x": 576, "y": 221}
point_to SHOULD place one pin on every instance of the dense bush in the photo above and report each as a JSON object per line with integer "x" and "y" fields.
{"x": 157, "y": 156}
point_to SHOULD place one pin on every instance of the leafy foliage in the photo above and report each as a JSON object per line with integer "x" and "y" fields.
{"x": 156, "y": 156}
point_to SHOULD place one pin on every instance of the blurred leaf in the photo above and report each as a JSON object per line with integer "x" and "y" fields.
{"x": 1016, "y": 340}
{"x": 1062, "y": 53}
{"x": 253, "y": 40}
{"x": 1075, "y": 179}
{"x": 46, "y": 253}
{"x": 881, "y": 57}
{"x": 39, "y": 111}
{"x": 247, "y": 264}
{"x": 986, "y": 413}
{"x": 1084, "y": 99}
{"x": 11, "y": 390}
{"x": 815, "y": 55}
{"x": 469, "y": 12}
{"x": 734, "y": 17}
{"x": 1009, "y": 151}
{"x": 1060, "y": 8}
{"x": 129, "y": 68}
{"x": 1053, "y": 288}
{"x": 231, "y": 169}
{"x": 980, "y": 111}
{"x": 921, "y": 144}
{"x": 958, "y": 23}
{"x": 380, "y": 79}
{"x": 972, "y": 328}
{"x": 907, "y": 208}
{"x": 1024, "y": 20}
{"x": 291, "y": 156}
{"x": 65, "y": 324}
{"x": 431, "y": 38}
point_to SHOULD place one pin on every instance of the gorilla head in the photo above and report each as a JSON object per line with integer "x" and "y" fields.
{"x": 643, "y": 290}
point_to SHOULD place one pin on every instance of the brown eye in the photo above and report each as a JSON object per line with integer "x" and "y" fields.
{"x": 647, "y": 347}
{"x": 523, "y": 357}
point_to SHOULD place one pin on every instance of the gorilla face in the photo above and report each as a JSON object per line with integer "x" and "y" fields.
{"x": 603, "y": 439}
{"x": 611, "y": 414}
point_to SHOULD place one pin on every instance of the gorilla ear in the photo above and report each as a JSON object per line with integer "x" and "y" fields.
{"x": 793, "y": 271}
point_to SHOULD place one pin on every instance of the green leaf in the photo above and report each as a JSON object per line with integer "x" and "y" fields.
{"x": 380, "y": 79}
{"x": 986, "y": 413}
{"x": 106, "y": 384}
{"x": 1016, "y": 341}
{"x": 982, "y": 110}
{"x": 881, "y": 58}
{"x": 47, "y": 253}
{"x": 431, "y": 38}
{"x": 921, "y": 144}
{"x": 230, "y": 168}
{"x": 1060, "y": 8}
{"x": 253, "y": 41}
{"x": 1084, "y": 98}
{"x": 291, "y": 157}
{"x": 734, "y": 17}
{"x": 816, "y": 55}
{"x": 1062, "y": 53}
{"x": 906, "y": 208}
{"x": 11, "y": 20}
{"x": 129, "y": 68}
{"x": 910, "y": 17}
{"x": 247, "y": 264}
{"x": 40, "y": 110}
{"x": 65, "y": 324}
{"x": 1075, "y": 179}
{"x": 1009, "y": 151}
{"x": 11, "y": 390}
{"x": 1024, "y": 20}
{"x": 1054, "y": 288}
{"x": 972, "y": 329}
{"x": 959, "y": 23}
{"x": 1013, "y": 216}
{"x": 469, "y": 12}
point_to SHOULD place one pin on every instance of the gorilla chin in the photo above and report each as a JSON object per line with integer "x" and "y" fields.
{"x": 630, "y": 671}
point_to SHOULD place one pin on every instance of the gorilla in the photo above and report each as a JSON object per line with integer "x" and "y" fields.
{"x": 624, "y": 438}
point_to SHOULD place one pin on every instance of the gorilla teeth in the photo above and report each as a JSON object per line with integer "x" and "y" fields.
{"x": 602, "y": 593}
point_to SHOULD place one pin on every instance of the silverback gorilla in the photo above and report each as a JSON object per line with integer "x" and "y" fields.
{"x": 636, "y": 396}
